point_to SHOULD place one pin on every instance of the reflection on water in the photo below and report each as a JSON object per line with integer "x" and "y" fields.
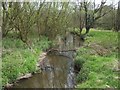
{"x": 58, "y": 73}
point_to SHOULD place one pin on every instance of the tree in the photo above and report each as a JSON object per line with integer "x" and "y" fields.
{"x": 7, "y": 18}
{"x": 25, "y": 20}
{"x": 39, "y": 14}
{"x": 93, "y": 13}
{"x": 108, "y": 21}
{"x": 79, "y": 18}
{"x": 118, "y": 18}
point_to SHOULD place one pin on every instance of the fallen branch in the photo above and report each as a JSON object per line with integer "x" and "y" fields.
{"x": 61, "y": 50}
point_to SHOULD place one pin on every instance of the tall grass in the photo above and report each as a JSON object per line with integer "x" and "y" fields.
{"x": 18, "y": 59}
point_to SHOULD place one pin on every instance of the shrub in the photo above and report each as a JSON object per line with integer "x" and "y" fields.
{"x": 83, "y": 74}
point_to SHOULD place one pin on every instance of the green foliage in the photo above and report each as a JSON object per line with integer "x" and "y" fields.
{"x": 13, "y": 43}
{"x": 83, "y": 74}
{"x": 17, "y": 59}
{"x": 98, "y": 71}
{"x": 106, "y": 39}
{"x": 79, "y": 61}
{"x": 108, "y": 21}
{"x": 17, "y": 63}
{"x": 42, "y": 44}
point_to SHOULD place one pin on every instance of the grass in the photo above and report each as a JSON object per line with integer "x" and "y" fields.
{"x": 97, "y": 58}
{"x": 18, "y": 60}
{"x": 100, "y": 61}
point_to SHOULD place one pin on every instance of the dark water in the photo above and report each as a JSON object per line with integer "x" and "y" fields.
{"x": 57, "y": 73}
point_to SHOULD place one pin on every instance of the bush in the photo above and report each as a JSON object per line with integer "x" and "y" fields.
{"x": 78, "y": 63}
{"x": 83, "y": 74}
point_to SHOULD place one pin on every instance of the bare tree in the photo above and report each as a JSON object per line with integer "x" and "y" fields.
{"x": 93, "y": 15}
{"x": 7, "y": 18}
{"x": 118, "y": 18}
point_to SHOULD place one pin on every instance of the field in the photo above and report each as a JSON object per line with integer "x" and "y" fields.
{"x": 99, "y": 60}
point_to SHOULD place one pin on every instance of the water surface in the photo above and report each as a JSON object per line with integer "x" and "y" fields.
{"x": 57, "y": 73}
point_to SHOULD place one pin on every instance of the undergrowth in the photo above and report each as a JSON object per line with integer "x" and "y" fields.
{"x": 18, "y": 59}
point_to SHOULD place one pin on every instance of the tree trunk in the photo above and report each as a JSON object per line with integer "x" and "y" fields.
{"x": 87, "y": 30}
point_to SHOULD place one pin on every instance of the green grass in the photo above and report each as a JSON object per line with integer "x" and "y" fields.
{"x": 100, "y": 60}
{"x": 107, "y": 39}
{"x": 97, "y": 58}
{"x": 18, "y": 60}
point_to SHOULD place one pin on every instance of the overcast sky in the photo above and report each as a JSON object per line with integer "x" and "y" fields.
{"x": 108, "y": 1}
{"x": 99, "y": 1}
{"x": 96, "y": 1}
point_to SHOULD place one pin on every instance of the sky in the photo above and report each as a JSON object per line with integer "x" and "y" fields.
{"x": 107, "y": 2}
{"x": 96, "y": 1}
{"x": 99, "y": 1}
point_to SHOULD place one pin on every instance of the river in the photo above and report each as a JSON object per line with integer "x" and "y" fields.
{"x": 58, "y": 69}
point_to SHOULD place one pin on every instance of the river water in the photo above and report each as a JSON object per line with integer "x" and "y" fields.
{"x": 57, "y": 72}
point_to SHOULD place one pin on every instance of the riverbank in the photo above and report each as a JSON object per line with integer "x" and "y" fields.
{"x": 98, "y": 60}
{"x": 17, "y": 59}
